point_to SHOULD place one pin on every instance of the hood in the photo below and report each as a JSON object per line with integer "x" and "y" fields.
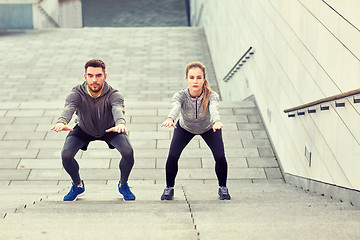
{"x": 81, "y": 89}
{"x": 187, "y": 93}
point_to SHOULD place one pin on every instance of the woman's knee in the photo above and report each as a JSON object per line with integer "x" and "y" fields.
{"x": 220, "y": 160}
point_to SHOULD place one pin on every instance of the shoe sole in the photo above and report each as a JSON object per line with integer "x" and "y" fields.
{"x": 80, "y": 196}
{"x": 76, "y": 198}
{"x": 167, "y": 198}
{"x": 224, "y": 198}
{"x": 126, "y": 200}
{"x": 123, "y": 198}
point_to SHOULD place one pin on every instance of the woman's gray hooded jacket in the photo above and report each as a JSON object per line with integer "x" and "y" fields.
{"x": 192, "y": 118}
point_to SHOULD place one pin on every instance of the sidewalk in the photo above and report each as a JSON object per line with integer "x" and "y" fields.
{"x": 147, "y": 66}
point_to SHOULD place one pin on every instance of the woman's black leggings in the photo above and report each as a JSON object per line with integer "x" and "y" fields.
{"x": 179, "y": 141}
{"x": 73, "y": 144}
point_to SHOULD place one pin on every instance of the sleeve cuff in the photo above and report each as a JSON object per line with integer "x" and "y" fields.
{"x": 121, "y": 120}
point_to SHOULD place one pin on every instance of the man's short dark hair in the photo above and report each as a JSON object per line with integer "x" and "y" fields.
{"x": 95, "y": 63}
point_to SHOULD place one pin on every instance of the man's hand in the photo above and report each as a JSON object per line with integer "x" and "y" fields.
{"x": 120, "y": 128}
{"x": 217, "y": 125}
{"x": 58, "y": 127}
{"x": 169, "y": 122}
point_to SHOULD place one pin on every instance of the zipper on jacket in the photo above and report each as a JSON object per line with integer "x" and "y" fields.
{"x": 196, "y": 108}
{"x": 96, "y": 111}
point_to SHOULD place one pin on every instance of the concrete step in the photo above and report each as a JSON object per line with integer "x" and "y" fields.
{"x": 269, "y": 210}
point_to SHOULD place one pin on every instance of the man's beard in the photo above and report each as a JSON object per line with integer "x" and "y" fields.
{"x": 95, "y": 90}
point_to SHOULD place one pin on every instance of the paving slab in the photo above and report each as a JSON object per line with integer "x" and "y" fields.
{"x": 148, "y": 135}
{"x": 14, "y": 153}
{"x": 183, "y": 163}
{"x": 13, "y": 174}
{"x": 30, "y": 163}
{"x": 271, "y": 211}
{"x": 6, "y": 120}
{"x": 266, "y": 152}
{"x": 13, "y": 144}
{"x": 46, "y": 144}
{"x": 51, "y": 153}
{"x": 9, "y": 163}
{"x": 25, "y": 135}
{"x": 256, "y": 143}
{"x": 47, "y": 175}
{"x": 273, "y": 173}
{"x": 193, "y": 144}
{"x": 139, "y": 163}
{"x": 243, "y": 126}
{"x": 24, "y": 120}
{"x": 233, "y": 162}
{"x": 262, "y": 162}
{"x": 259, "y": 134}
{"x": 167, "y": 219}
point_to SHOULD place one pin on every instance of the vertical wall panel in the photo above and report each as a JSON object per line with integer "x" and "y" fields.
{"x": 304, "y": 50}
{"x": 14, "y": 16}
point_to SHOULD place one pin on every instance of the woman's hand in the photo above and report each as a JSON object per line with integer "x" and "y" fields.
{"x": 169, "y": 122}
{"x": 217, "y": 125}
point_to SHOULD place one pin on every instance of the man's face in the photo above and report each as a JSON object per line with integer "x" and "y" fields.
{"x": 95, "y": 78}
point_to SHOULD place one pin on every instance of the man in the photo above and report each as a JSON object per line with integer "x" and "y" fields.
{"x": 100, "y": 116}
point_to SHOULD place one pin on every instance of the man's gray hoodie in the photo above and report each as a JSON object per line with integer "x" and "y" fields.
{"x": 192, "y": 118}
{"x": 94, "y": 115}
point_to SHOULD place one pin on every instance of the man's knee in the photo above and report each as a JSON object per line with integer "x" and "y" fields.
{"x": 67, "y": 155}
{"x": 128, "y": 153}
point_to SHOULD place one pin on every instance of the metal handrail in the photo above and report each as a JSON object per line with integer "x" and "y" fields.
{"x": 43, "y": 11}
{"x": 327, "y": 99}
{"x": 237, "y": 65}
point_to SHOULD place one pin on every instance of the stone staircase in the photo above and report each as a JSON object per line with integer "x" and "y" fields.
{"x": 258, "y": 210}
{"x": 147, "y": 66}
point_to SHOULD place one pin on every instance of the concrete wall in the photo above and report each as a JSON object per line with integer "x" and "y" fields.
{"x": 70, "y": 14}
{"x": 51, "y": 8}
{"x": 304, "y": 50}
{"x": 28, "y": 14}
{"x": 66, "y": 13}
{"x": 16, "y": 15}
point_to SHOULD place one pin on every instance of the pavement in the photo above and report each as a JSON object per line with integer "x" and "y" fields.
{"x": 147, "y": 65}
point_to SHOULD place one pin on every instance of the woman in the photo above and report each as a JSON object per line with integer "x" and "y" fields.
{"x": 199, "y": 116}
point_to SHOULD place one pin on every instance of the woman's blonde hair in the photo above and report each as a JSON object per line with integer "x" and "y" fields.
{"x": 206, "y": 85}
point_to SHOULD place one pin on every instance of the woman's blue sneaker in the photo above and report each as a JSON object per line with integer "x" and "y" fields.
{"x": 75, "y": 192}
{"x": 126, "y": 192}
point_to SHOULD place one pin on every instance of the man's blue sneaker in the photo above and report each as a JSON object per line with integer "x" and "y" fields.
{"x": 126, "y": 192}
{"x": 75, "y": 192}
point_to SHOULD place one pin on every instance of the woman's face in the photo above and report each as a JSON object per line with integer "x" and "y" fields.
{"x": 195, "y": 79}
